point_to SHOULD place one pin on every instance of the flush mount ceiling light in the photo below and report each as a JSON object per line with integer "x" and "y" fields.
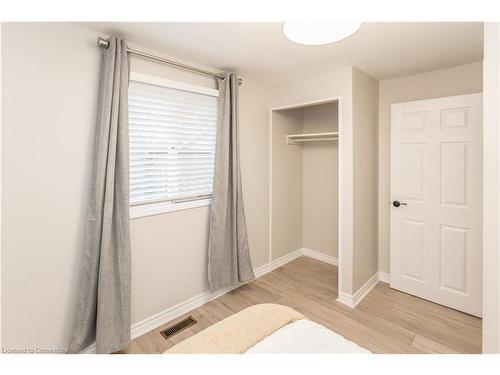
{"x": 319, "y": 33}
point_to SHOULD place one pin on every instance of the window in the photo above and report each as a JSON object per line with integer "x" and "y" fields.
{"x": 172, "y": 129}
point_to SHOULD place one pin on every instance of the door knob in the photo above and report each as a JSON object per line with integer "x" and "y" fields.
{"x": 398, "y": 203}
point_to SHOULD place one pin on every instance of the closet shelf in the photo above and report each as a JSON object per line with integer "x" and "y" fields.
{"x": 311, "y": 137}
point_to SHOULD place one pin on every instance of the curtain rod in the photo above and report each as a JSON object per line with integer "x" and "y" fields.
{"x": 101, "y": 42}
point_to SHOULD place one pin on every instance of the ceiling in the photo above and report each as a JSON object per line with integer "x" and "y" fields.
{"x": 261, "y": 51}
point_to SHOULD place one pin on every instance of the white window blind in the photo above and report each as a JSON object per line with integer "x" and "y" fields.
{"x": 172, "y": 140}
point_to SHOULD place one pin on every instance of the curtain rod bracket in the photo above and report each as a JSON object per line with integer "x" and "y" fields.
{"x": 103, "y": 43}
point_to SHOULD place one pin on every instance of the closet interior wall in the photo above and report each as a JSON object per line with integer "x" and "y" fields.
{"x": 304, "y": 194}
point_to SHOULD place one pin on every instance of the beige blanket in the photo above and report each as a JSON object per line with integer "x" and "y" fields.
{"x": 239, "y": 332}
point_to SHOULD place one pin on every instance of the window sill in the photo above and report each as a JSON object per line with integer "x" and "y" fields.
{"x": 151, "y": 209}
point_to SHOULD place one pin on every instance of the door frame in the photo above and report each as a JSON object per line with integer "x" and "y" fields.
{"x": 491, "y": 189}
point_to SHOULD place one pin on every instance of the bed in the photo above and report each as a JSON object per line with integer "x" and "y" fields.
{"x": 266, "y": 328}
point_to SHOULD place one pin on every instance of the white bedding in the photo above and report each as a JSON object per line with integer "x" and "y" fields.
{"x": 305, "y": 336}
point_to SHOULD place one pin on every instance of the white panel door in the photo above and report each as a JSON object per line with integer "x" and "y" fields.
{"x": 436, "y": 207}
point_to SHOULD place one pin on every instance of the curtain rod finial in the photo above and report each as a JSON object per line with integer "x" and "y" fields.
{"x": 101, "y": 42}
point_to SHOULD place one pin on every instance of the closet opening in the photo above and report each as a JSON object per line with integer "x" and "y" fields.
{"x": 304, "y": 188}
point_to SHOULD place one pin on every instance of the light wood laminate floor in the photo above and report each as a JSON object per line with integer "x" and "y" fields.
{"x": 386, "y": 321}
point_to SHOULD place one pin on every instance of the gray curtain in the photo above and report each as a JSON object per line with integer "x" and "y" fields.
{"x": 228, "y": 253}
{"x": 103, "y": 305}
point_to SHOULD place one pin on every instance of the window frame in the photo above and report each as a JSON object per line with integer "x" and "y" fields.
{"x": 138, "y": 210}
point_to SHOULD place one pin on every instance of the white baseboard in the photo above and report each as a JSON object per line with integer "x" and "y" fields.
{"x": 285, "y": 259}
{"x": 353, "y": 300}
{"x": 384, "y": 277}
{"x": 330, "y": 259}
{"x": 365, "y": 289}
{"x": 261, "y": 271}
{"x": 346, "y": 299}
{"x": 152, "y": 322}
{"x": 156, "y": 320}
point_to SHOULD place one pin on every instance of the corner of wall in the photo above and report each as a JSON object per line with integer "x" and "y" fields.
{"x": 491, "y": 211}
{"x": 365, "y": 139}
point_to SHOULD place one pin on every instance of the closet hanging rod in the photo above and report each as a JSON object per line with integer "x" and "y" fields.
{"x": 311, "y": 137}
{"x": 311, "y": 140}
{"x": 101, "y": 42}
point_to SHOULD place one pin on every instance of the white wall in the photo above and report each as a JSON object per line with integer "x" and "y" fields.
{"x": 50, "y": 75}
{"x": 49, "y": 99}
{"x": 365, "y": 124}
{"x": 0, "y": 189}
{"x": 320, "y": 181}
{"x": 287, "y": 206}
{"x": 464, "y": 79}
{"x": 491, "y": 194}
